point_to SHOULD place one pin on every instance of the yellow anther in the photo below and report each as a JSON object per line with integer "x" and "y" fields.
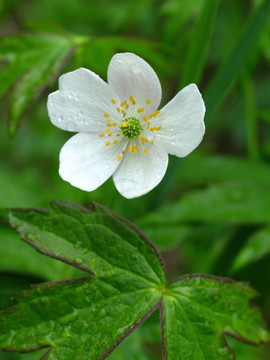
{"x": 119, "y": 158}
{"x": 106, "y": 115}
{"x": 114, "y": 124}
{"x": 130, "y": 149}
{"x": 108, "y": 143}
{"x": 108, "y": 120}
{"x": 148, "y": 101}
{"x": 135, "y": 147}
{"x": 123, "y": 151}
{"x": 145, "y": 151}
{"x": 101, "y": 135}
{"x": 118, "y": 109}
{"x": 113, "y": 101}
{"x": 134, "y": 151}
{"x": 115, "y": 141}
{"x": 152, "y": 142}
{"x": 118, "y": 134}
{"x": 124, "y": 124}
{"x": 107, "y": 129}
{"x": 140, "y": 136}
{"x": 109, "y": 125}
{"x": 156, "y": 113}
{"x": 122, "y": 103}
{"x": 110, "y": 134}
{"x": 150, "y": 116}
{"x": 145, "y": 118}
{"x": 140, "y": 110}
{"x": 132, "y": 100}
{"x": 123, "y": 111}
{"x": 127, "y": 106}
{"x": 158, "y": 128}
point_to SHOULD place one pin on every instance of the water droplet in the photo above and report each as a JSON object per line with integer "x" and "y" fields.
{"x": 60, "y": 118}
{"x": 70, "y": 126}
{"x": 70, "y": 96}
{"x": 78, "y": 261}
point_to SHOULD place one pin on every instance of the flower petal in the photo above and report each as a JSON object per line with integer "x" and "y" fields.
{"x": 81, "y": 102}
{"x": 86, "y": 162}
{"x": 181, "y": 121}
{"x": 129, "y": 75}
{"x": 139, "y": 173}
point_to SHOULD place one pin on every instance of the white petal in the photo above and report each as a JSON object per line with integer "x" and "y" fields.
{"x": 139, "y": 173}
{"x": 81, "y": 102}
{"x": 129, "y": 75}
{"x": 86, "y": 162}
{"x": 181, "y": 121}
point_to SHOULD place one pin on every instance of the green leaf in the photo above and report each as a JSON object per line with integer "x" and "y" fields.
{"x": 201, "y": 169}
{"x": 198, "y": 310}
{"x": 31, "y": 61}
{"x": 233, "y": 66}
{"x": 200, "y": 44}
{"x": 236, "y": 202}
{"x": 104, "y": 308}
{"x": 257, "y": 247}
{"x": 14, "y": 252}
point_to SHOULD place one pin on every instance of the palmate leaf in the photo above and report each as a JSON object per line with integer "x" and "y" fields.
{"x": 87, "y": 317}
{"x": 31, "y": 61}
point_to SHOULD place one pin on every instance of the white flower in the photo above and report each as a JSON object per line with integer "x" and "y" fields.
{"x": 120, "y": 130}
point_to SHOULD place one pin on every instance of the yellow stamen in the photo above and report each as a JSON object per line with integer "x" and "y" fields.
{"x": 119, "y": 158}
{"x": 124, "y": 124}
{"x": 145, "y": 118}
{"x": 122, "y": 103}
{"x": 148, "y": 101}
{"x": 118, "y": 109}
{"x": 109, "y": 125}
{"x": 123, "y": 151}
{"x": 101, "y": 135}
{"x": 145, "y": 151}
{"x": 152, "y": 142}
{"x": 115, "y": 142}
{"x": 113, "y": 101}
{"x": 107, "y": 129}
{"x": 118, "y": 134}
{"x": 108, "y": 120}
{"x": 132, "y": 100}
{"x": 127, "y": 106}
{"x": 110, "y": 134}
{"x": 140, "y": 136}
{"x": 108, "y": 143}
{"x": 106, "y": 115}
{"x": 114, "y": 124}
{"x": 123, "y": 111}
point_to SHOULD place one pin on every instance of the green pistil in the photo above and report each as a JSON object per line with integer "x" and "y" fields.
{"x": 131, "y": 127}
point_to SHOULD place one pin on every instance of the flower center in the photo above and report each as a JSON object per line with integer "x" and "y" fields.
{"x": 131, "y": 127}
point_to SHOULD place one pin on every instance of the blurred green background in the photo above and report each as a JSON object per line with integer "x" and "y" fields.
{"x": 211, "y": 212}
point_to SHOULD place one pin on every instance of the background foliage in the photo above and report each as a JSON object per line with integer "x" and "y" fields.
{"x": 217, "y": 198}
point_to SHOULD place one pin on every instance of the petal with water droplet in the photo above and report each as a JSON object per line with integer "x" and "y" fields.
{"x": 184, "y": 114}
{"x": 129, "y": 75}
{"x": 86, "y": 162}
{"x": 81, "y": 102}
{"x": 139, "y": 173}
